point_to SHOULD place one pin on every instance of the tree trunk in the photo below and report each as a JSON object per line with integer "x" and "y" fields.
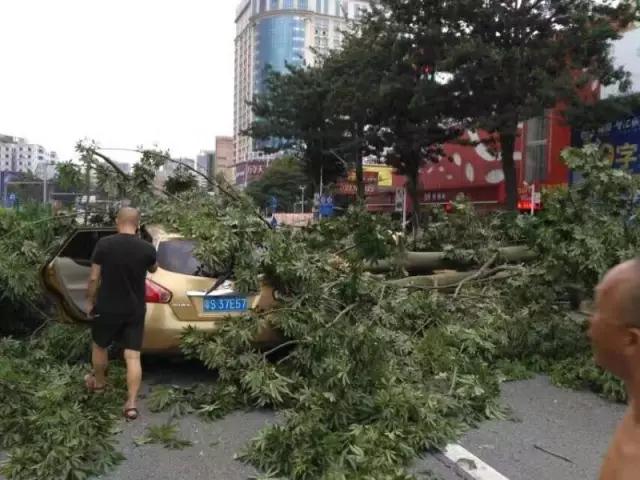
{"x": 360, "y": 176}
{"x": 420, "y": 262}
{"x": 507, "y": 147}
{"x": 413, "y": 180}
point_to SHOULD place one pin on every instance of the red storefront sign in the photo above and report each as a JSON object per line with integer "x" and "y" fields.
{"x": 437, "y": 197}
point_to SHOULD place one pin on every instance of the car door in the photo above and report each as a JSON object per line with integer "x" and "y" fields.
{"x": 65, "y": 275}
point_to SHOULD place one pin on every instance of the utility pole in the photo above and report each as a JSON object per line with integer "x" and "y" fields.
{"x": 302, "y": 189}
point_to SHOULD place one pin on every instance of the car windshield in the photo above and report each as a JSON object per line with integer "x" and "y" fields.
{"x": 176, "y": 256}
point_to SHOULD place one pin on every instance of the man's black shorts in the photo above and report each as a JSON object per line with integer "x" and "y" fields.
{"x": 127, "y": 330}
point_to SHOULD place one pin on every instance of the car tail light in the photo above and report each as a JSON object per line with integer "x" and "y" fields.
{"x": 155, "y": 293}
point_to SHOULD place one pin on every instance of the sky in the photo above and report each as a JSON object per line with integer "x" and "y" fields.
{"x": 122, "y": 72}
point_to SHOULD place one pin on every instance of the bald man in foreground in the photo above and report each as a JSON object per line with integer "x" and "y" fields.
{"x": 116, "y": 302}
{"x": 615, "y": 334}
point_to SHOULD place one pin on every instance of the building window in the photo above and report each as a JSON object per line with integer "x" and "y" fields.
{"x": 288, "y": 3}
{"x": 537, "y": 131}
{"x": 303, "y": 4}
{"x": 274, "y": 4}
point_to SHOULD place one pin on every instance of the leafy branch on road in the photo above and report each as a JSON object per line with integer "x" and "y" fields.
{"x": 374, "y": 373}
{"x": 165, "y": 434}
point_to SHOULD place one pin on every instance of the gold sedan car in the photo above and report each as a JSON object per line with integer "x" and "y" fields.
{"x": 177, "y": 294}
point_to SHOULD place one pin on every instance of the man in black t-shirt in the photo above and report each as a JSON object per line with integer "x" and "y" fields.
{"x": 116, "y": 302}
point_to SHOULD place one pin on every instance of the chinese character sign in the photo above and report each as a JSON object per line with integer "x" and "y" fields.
{"x": 249, "y": 171}
{"x": 619, "y": 142}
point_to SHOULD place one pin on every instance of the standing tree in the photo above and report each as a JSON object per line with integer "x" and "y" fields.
{"x": 281, "y": 180}
{"x": 409, "y": 114}
{"x": 68, "y": 177}
{"x": 291, "y": 115}
{"x": 509, "y": 61}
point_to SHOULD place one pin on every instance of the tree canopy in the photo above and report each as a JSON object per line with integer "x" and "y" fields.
{"x": 417, "y": 72}
{"x": 282, "y": 180}
{"x": 510, "y": 61}
{"x": 180, "y": 181}
{"x": 291, "y": 114}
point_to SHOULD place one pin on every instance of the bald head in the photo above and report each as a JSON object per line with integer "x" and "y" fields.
{"x": 128, "y": 220}
{"x": 621, "y": 287}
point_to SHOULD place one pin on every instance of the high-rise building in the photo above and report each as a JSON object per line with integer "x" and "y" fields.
{"x": 205, "y": 164}
{"x": 274, "y": 33}
{"x": 224, "y": 159}
{"x": 16, "y": 155}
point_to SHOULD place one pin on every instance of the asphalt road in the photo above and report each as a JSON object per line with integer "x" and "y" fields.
{"x": 552, "y": 434}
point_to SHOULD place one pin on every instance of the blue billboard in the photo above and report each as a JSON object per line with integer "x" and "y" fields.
{"x": 619, "y": 141}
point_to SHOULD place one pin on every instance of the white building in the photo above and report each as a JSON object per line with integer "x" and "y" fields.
{"x": 275, "y": 33}
{"x": 16, "y": 155}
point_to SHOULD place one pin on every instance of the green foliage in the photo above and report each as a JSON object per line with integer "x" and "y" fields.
{"x": 281, "y": 180}
{"x": 370, "y": 375}
{"x": 165, "y": 434}
{"x": 26, "y": 237}
{"x": 466, "y": 229}
{"x": 587, "y": 229}
{"x": 507, "y": 63}
{"x": 582, "y": 373}
{"x": 69, "y": 176}
{"x": 292, "y": 113}
{"x": 50, "y": 426}
{"x": 181, "y": 181}
{"x": 230, "y": 237}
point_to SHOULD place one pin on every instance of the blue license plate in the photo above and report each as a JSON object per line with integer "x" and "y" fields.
{"x": 225, "y": 304}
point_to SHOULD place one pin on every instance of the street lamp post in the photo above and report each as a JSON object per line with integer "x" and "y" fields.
{"x": 45, "y": 193}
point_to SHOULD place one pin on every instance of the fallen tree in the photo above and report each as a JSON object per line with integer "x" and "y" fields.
{"x": 421, "y": 262}
{"x": 373, "y": 370}
{"x": 451, "y": 280}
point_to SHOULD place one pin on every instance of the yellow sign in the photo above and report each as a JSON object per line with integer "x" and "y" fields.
{"x": 385, "y": 174}
{"x": 626, "y": 154}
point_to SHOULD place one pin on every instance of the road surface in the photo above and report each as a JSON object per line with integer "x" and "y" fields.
{"x": 551, "y": 434}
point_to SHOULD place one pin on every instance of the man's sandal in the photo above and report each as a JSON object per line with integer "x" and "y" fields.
{"x": 131, "y": 414}
{"x": 90, "y": 383}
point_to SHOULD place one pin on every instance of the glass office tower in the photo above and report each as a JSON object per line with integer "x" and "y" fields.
{"x": 272, "y": 34}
